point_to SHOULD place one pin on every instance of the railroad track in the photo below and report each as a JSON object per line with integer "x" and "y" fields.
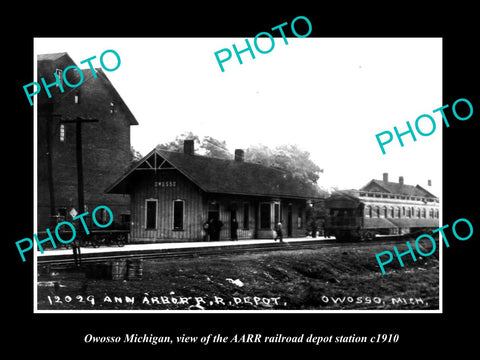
{"x": 114, "y": 254}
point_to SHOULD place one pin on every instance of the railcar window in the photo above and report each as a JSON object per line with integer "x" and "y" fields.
{"x": 102, "y": 217}
{"x": 125, "y": 218}
{"x": 368, "y": 211}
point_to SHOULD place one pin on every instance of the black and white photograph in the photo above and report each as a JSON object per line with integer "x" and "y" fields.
{"x": 251, "y": 183}
{"x": 241, "y": 189}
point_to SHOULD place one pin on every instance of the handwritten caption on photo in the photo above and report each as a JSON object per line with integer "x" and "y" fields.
{"x": 187, "y": 302}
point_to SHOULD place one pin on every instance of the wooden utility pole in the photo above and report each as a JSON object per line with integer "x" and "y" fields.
{"x": 78, "y": 134}
{"x": 51, "y": 189}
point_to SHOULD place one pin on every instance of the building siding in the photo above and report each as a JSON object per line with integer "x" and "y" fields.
{"x": 194, "y": 207}
{"x": 196, "y": 210}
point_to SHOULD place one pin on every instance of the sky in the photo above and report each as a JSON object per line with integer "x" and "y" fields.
{"x": 331, "y": 96}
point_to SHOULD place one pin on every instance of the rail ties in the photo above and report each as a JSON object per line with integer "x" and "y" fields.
{"x": 113, "y": 254}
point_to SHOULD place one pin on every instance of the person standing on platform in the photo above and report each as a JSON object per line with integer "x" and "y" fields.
{"x": 77, "y": 255}
{"x": 278, "y": 230}
{"x": 216, "y": 227}
{"x": 207, "y": 230}
{"x": 233, "y": 229}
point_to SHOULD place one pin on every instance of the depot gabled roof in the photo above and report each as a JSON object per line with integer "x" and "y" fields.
{"x": 214, "y": 175}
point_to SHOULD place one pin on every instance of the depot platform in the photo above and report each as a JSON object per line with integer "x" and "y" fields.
{"x": 148, "y": 250}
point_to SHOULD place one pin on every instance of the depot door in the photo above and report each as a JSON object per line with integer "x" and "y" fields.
{"x": 213, "y": 211}
{"x": 289, "y": 220}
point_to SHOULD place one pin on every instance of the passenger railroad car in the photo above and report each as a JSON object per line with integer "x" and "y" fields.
{"x": 381, "y": 208}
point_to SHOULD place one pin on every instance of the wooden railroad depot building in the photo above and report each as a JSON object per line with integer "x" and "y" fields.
{"x": 174, "y": 193}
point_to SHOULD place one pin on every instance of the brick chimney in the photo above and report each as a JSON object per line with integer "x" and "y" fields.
{"x": 188, "y": 147}
{"x": 385, "y": 177}
{"x": 429, "y": 182}
{"x": 239, "y": 155}
{"x": 400, "y": 180}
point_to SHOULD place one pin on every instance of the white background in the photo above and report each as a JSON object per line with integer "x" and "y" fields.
{"x": 331, "y": 96}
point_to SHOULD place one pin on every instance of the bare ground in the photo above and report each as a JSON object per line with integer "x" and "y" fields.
{"x": 333, "y": 278}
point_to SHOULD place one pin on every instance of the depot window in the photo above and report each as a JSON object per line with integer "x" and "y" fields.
{"x": 265, "y": 215}
{"x": 276, "y": 212}
{"x": 151, "y": 214}
{"x": 178, "y": 214}
{"x": 300, "y": 218}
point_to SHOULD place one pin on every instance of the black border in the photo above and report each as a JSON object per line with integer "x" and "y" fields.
{"x": 63, "y": 333}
